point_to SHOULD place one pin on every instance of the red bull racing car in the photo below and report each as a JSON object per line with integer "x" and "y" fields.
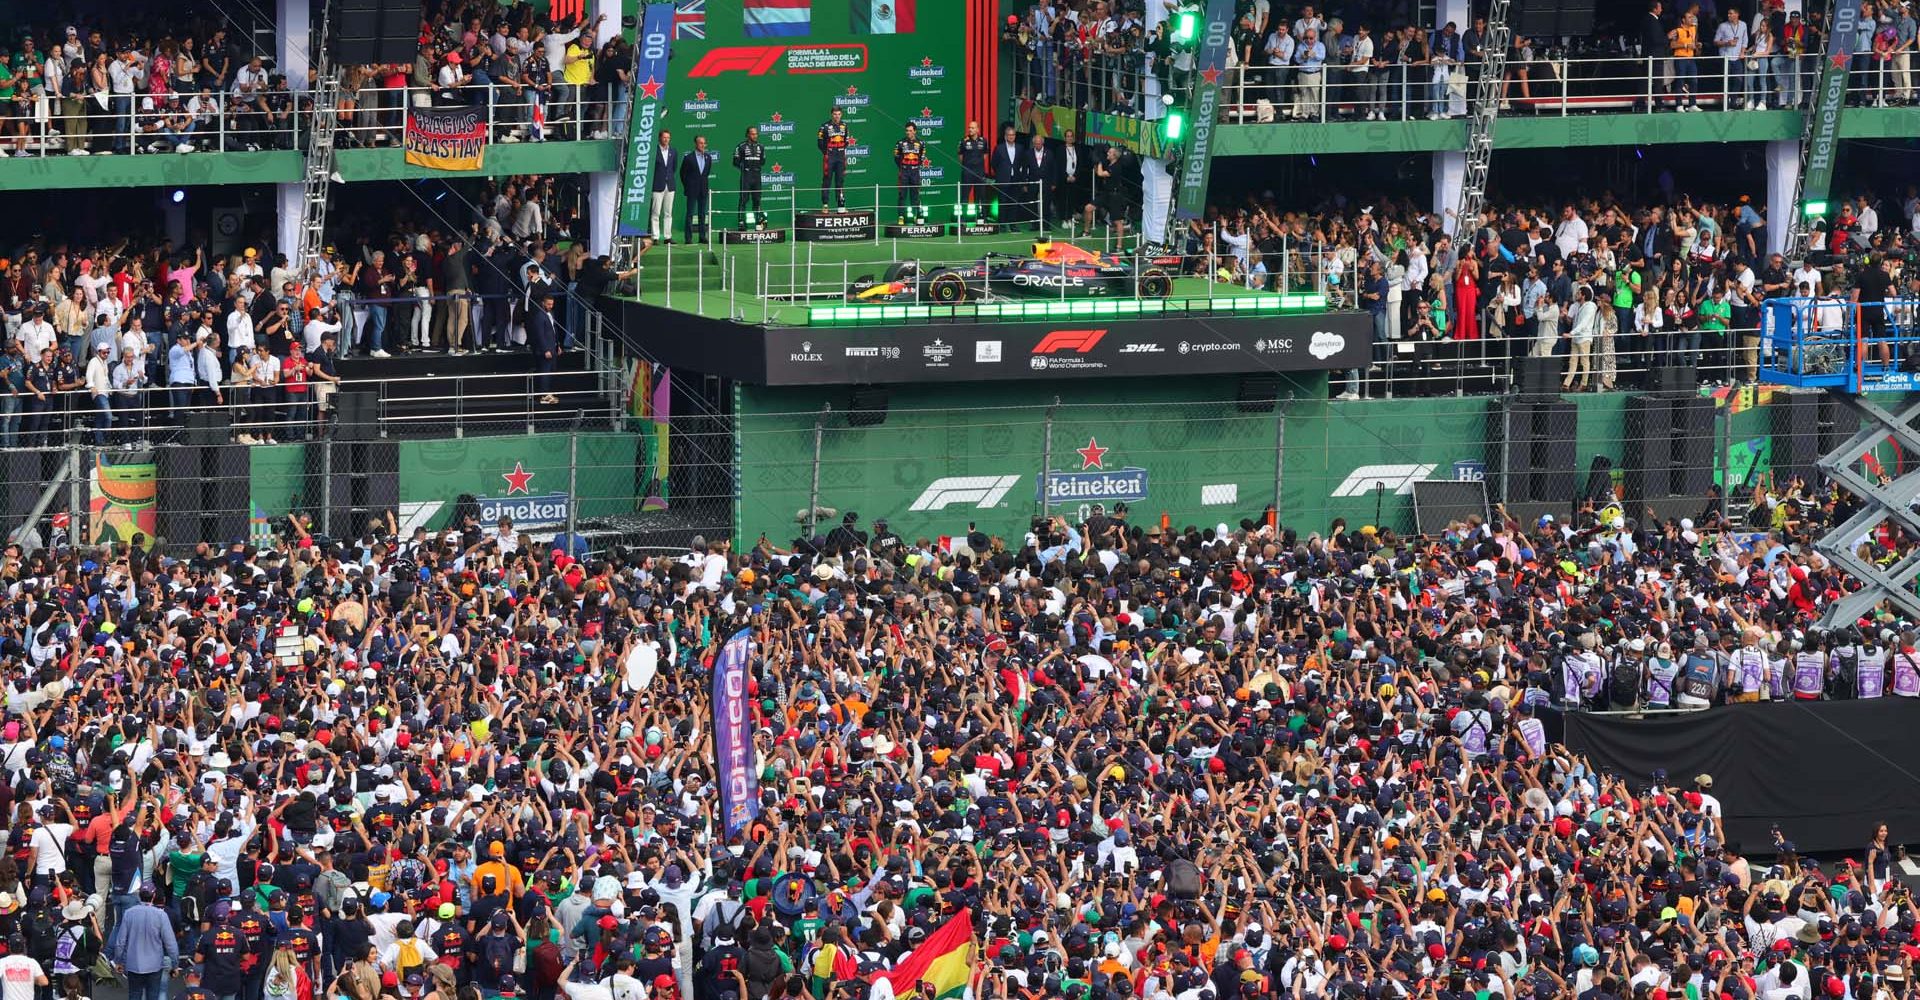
{"x": 1052, "y": 270}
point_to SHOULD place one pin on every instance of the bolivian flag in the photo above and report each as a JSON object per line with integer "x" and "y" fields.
{"x": 944, "y": 961}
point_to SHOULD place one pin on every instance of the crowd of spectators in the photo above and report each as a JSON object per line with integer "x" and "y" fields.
{"x": 1596, "y": 282}
{"x": 1222, "y": 763}
{"x": 147, "y": 85}
{"x": 1369, "y": 62}
{"x": 115, "y": 344}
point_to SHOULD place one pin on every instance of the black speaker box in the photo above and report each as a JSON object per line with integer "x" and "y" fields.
{"x": 1258, "y": 392}
{"x": 1693, "y": 436}
{"x": 356, "y": 416}
{"x": 376, "y": 31}
{"x": 1510, "y": 456}
{"x": 1540, "y": 376}
{"x": 1556, "y": 470}
{"x": 206, "y": 428}
{"x": 1647, "y": 452}
{"x": 1795, "y": 420}
{"x": 867, "y": 406}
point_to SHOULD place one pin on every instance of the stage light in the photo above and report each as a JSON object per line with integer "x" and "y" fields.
{"x": 1813, "y": 209}
{"x": 1186, "y": 27}
{"x": 1175, "y": 125}
{"x": 179, "y": 195}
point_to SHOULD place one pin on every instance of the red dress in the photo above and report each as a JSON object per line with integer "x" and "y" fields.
{"x": 1466, "y": 305}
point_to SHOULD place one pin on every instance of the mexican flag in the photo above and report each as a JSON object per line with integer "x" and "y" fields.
{"x": 944, "y": 961}
{"x": 883, "y": 17}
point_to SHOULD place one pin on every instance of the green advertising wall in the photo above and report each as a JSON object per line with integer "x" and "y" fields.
{"x": 726, "y": 81}
{"x": 965, "y": 454}
{"x": 434, "y": 473}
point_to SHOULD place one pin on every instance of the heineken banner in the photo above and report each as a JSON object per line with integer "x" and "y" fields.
{"x": 1096, "y": 128}
{"x": 1190, "y": 202}
{"x": 649, "y": 99}
{"x": 1829, "y": 99}
{"x": 453, "y": 138}
{"x": 784, "y": 67}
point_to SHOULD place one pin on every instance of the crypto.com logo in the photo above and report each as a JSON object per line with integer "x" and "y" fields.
{"x": 759, "y": 60}
{"x": 1077, "y": 341}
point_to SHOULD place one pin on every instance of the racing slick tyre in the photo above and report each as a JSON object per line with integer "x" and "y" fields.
{"x": 947, "y": 288}
{"x": 1154, "y": 284}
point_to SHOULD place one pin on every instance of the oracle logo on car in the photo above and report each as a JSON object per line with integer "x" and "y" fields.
{"x": 1076, "y": 341}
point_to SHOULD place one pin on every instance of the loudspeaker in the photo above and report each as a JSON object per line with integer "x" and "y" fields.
{"x": 1836, "y": 423}
{"x": 1796, "y": 433}
{"x": 27, "y": 477}
{"x": 1647, "y": 453}
{"x": 1693, "y": 465}
{"x": 356, "y": 416}
{"x": 1675, "y": 378}
{"x": 206, "y": 428}
{"x": 227, "y": 496}
{"x": 1540, "y": 376}
{"x": 1556, "y": 469}
{"x": 1510, "y": 460}
{"x": 1547, "y": 19}
{"x": 1599, "y": 481}
{"x": 365, "y": 483}
{"x": 867, "y": 406}
{"x": 1258, "y": 392}
{"x": 376, "y": 31}
{"x": 180, "y": 494}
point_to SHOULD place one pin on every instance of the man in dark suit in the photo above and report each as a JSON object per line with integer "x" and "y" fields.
{"x": 543, "y": 339}
{"x": 666, "y": 165}
{"x": 1038, "y": 172}
{"x": 696, "y": 174}
{"x": 1006, "y": 163}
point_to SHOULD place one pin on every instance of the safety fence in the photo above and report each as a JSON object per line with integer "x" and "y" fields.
{"x": 936, "y": 466}
{"x": 368, "y": 117}
{"x": 586, "y": 490}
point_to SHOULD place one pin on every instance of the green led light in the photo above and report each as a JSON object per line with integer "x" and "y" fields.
{"x": 1315, "y": 301}
{"x": 1106, "y": 308}
{"x": 1268, "y": 303}
{"x": 1037, "y": 308}
{"x": 893, "y": 312}
{"x": 918, "y": 312}
{"x": 1153, "y": 306}
{"x": 1186, "y": 27}
{"x": 1175, "y": 124}
{"x": 1127, "y": 306}
{"x": 1061, "y": 308}
{"x": 1813, "y": 208}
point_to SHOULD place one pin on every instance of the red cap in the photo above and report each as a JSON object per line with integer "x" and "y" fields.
{"x": 1337, "y": 942}
{"x": 1436, "y": 951}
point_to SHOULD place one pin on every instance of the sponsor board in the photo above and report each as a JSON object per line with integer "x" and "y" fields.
{"x": 983, "y": 492}
{"x": 552, "y": 508}
{"x": 937, "y": 354}
{"x": 914, "y": 231}
{"x": 1392, "y": 478}
{"x": 749, "y": 237}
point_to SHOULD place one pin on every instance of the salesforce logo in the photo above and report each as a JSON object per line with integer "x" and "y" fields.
{"x": 1325, "y": 345}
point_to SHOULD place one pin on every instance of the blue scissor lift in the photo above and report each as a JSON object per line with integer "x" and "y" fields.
{"x": 1850, "y": 349}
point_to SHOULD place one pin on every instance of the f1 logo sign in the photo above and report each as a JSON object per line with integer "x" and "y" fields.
{"x": 1077, "y": 341}
{"x": 565, "y": 11}
{"x": 753, "y": 60}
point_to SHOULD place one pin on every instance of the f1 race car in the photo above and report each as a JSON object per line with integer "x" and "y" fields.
{"x": 1052, "y": 270}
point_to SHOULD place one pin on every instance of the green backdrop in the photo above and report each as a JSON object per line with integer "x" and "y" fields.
{"x": 974, "y": 453}
{"x": 881, "y": 82}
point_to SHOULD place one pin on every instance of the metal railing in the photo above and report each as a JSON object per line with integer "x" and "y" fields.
{"x": 1553, "y": 84}
{"x": 368, "y": 117}
{"x": 429, "y": 404}
{"x": 1832, "y": 342}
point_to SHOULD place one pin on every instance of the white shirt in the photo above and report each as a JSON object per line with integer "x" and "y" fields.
{"x": 240, "y": 330}
{"x": 99, "y": 381}
{"x": 36, "y": 336}
{"x": 1570, "y": 236}
{"x": 18, "y": 973}
{"x": 49, "y": 853}
{"x": 247, "y": 80}
{"x": 555, "y": 45}
{"x": 316, "y": 329}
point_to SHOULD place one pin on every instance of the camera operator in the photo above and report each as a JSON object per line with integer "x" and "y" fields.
{"x": 1870, "y": 287}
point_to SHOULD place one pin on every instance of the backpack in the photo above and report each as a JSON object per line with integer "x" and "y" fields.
{"x": 1846, "y": 673}
{"x": 1625, "y": 681}
{"x": 66, "y": 950}
{"x": 42, "y": 928}
{"x": 408, "y": 957}
{"x": 1183, "y": 879}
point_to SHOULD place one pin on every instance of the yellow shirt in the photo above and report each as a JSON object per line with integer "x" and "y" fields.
{"x": 579, "y": 71}
{"x": 1684, "y": 39}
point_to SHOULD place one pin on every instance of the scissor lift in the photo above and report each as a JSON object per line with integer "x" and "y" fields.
{"x": 1833, "y": 344}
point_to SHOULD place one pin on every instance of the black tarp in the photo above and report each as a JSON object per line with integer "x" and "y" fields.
{"x": 1825, "y": 772}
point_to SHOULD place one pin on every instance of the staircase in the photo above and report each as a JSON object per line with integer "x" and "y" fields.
{"x": 326, "y": 104}
{"x": 1484, "y": 111}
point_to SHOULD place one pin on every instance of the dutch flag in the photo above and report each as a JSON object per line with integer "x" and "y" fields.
{"x": 777, "y": 18}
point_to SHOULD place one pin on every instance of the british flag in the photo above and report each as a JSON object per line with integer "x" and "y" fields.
{"x": 690, "y": 19}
